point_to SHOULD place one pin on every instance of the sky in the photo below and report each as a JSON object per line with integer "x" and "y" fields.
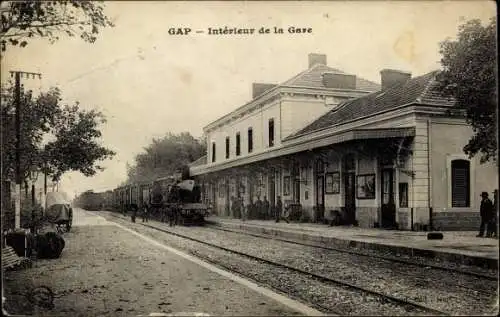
{"x": 148, "y": 82}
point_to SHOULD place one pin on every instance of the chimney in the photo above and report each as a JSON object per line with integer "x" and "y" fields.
{"x": 260, "y": 88}
{"x": 316, "y": 59}
{"x": 339, "y": 81}
{"x": 391, "y": 77}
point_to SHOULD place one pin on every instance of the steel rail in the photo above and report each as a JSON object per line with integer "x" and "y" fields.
{"x": 322, "y": 308}
{"x": 408, "y": 262}
{"x": 323, "y": 278}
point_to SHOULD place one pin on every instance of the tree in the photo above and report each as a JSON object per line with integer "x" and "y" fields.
{"x": 469, "y": 76}
{"x": 24, "y": 20}
{"x": 166, "y": 156}
{"x": 73, "y": 135}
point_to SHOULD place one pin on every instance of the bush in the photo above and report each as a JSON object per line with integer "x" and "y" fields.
{"x": 8, "y": 215}
{"x": 30, "y": 214}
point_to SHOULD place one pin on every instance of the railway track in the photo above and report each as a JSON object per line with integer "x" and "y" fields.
{"x": 408, "y": 305}
{"x": 373, "y": 256}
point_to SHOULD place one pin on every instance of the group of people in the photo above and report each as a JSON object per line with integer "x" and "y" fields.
{"x": 260, "y": 209}
{"x": 489, "y": 215}
{"x": 160, "y": 205}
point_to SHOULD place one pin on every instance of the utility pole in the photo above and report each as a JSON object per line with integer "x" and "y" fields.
{"x": 45, "y": 188}
{"x": 17, "y": 100}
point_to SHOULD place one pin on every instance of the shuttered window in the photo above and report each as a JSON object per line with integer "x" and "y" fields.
{"x": 227, "y": 147}
{"x": 271, "y": 132}
{"x": 460, "y": 183}
{"x": 213, "y": 151}
{"x": 238, "y": 146}
{"x": 250, "y": 140}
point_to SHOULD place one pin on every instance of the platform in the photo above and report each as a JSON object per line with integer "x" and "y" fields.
{"x": 461, "y": 247}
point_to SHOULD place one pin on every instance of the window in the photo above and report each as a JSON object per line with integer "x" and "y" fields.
{"x": 250, "y": 140}
{"x": 286, "y": 186}
{"x": 227, "y": 147}
{"x": 460, "y": 183}
{"x": 213, "y": 151}
{"x": 238, "y": 149}
{"x": 271, "y": 132}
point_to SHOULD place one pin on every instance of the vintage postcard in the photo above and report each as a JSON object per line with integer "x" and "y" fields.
{"x": 269, "y": 158}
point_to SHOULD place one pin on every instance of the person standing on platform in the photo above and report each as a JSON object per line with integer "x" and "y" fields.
{"x": 266, "y": 212}
{"x": 135, "y": 208}
{"x": 492, "y": 231}
{"x": 486, "y": 213}
{"x": 279, "y": 210}
{"x": 259, "y": 209}
{"x": 232, "y": 207}
{"x": 243, "y": 209}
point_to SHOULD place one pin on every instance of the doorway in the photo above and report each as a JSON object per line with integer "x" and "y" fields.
{"x": 271, "y": 189}
{"x": 388, "y": 208}
{"x": 320, "y": 197}
{"x": 349, "y": 172}
{"x": 228, "y": 198}
{"x": 214, "y": 198}
{"x": 296, "y": 191}
{"x": 350, "y": 197}
{"x": 295, "y": 183}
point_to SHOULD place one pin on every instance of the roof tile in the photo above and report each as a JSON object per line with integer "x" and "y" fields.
{"x": 312, "y": 77}
{"x": 421, "y": 89}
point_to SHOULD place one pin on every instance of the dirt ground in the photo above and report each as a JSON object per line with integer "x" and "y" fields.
{"x": 105, "y": 270}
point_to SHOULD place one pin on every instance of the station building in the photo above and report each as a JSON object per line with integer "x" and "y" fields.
{"x": 332, "y": 144}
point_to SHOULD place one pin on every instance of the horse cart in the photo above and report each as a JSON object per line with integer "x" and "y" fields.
{"x": 59, "y": 211}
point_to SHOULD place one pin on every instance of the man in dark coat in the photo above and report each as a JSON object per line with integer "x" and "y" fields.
{"x": 279, "y": 210}
{"x": 491, "y": 232}
{"x": 135, "y": 208}
{"x": 173, "y": 200}
{"x": 486, "y": 212}
{"x": 258, "y": 210}
{"x": 265, "y": 208}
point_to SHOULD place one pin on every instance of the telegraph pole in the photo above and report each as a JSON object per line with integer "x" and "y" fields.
{"x": 17, "y": 100}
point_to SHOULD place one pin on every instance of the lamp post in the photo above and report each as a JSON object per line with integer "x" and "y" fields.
{"x": 34, "y": 178}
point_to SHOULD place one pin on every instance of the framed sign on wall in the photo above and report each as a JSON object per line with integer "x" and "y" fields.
{"x": 332, "y": 183}
{"x": 365, "y": 186}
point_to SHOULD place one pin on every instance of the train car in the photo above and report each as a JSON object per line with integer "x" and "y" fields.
{"x": 91, "y": 201}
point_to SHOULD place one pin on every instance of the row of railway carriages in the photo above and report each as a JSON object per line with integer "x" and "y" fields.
{"x": 189, "y": 204}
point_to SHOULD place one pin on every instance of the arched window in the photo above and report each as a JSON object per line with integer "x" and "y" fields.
{"x": 460, "y": 183}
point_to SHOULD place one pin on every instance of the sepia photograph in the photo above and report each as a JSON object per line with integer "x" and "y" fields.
{"x": 249, "y": 158}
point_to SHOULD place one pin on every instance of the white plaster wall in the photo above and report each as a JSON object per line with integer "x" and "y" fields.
{"x": 298, "y": 112}
{"x": 448, "y": 139}
{"x": 258, "y": 121}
